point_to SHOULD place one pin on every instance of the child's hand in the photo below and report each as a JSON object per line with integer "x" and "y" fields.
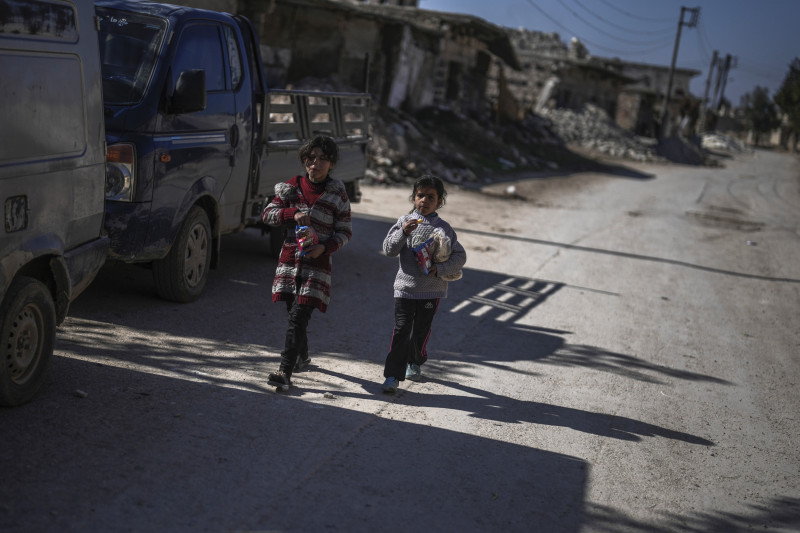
{"x": 432, "y": 271}
{"x": 315, "y": 251}
{"x": 411, "y": 225}
{"x": 302, "y": 219}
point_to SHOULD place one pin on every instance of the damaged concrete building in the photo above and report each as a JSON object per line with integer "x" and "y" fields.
{"x": 410, "y": 58}
{"x": 639, "y": 102}
{"x": 555, "y": 75}
{"x": 407, "y": 58}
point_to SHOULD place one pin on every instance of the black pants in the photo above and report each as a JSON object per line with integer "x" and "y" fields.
{"x": 412, "y": 327}
{"x": 296, "y": 335}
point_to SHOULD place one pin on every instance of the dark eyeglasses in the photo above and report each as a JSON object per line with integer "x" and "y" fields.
{"x": 321, "y": 158}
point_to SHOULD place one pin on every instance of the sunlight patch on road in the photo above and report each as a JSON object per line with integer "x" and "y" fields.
{"x": 511, "y": 298}
{"x": 220, "y": 362}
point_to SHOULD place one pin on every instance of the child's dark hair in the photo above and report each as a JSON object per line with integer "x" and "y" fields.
{"x": 324, "y": 143}
{"x": 429, "y": 180}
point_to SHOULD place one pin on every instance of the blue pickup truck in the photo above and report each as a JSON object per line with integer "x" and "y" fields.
{"x": 197, "y": 141}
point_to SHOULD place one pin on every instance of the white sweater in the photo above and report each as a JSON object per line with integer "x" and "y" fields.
{"x": 410, "y": 282}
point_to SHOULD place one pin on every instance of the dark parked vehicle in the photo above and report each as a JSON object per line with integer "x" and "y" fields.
{"x": 196, "y": 141}
{"x": 52, "y": 178}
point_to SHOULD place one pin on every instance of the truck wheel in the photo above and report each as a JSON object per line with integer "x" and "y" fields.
{"x": 353, "y": 191}
{"x": 182, "y": 275}
{"x": 276, "y": 240}
{"x": 27, "y": 337}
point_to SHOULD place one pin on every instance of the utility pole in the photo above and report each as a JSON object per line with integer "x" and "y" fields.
{"x": 692, "y": 23}
{"x": 720, "y": 67}
{"x": 701, "y": 124}
{"x": 725, "y": 71}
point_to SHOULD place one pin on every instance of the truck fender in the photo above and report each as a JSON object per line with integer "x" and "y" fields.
{"x": 63, "y": 287}
{"x": 48, "y": 266}
{"x": 202, "y": 193}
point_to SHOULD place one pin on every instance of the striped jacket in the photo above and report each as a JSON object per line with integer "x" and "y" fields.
{"x": 304, "y": 278}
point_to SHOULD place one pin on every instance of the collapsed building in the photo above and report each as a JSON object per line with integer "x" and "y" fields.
{"x": 555, "y": 75}
{"x": 412, "y": 61}
{"x": 408, "y": 59}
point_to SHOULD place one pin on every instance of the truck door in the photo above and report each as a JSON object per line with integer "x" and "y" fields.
{"x": 198, "y": 145}
{"x": 242, "y": 70}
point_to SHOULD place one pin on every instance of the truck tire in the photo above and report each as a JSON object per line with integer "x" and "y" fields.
{"x": 27, "y": 337}
{"x": 353, "y": 191}
{"x": 182, "y": 275}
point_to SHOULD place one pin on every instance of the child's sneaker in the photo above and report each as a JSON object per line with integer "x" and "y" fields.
{"x": 390, "y": 385}
{"x": 302, "y": 363}
{"x": 279, "y": 380}
{"x": 413, "y": 372}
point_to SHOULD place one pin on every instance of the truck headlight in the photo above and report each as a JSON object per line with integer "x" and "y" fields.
{"x": 120, "y": 172}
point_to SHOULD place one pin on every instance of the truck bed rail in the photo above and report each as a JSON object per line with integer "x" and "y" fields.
{"x": 292, "y": 116}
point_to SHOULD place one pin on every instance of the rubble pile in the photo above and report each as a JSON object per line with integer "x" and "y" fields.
{"x": 457, "y": 148}
{"x": 463, "y": 149}
{"x": 476, "y": 149}
{"x": 592, "y": 129}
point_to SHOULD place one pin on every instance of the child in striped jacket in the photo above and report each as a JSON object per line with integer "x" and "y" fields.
{"x": 303, "y": 276}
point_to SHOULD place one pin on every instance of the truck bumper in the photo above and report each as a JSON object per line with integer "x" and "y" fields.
{"x": 126, "y": 225}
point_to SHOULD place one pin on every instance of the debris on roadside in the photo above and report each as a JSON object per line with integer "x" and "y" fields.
{"x": 594, "y": 130}
{"x": 717, "y": 141}
{"x": 479, "y": 149}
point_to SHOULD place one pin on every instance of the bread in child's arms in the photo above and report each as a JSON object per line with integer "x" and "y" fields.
{"x": 442, "y": 250}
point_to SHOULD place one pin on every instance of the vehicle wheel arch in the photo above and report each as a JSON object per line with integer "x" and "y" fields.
{"x": 201, "y": 195}
{"x": 51, "y": 270}
{"x": 182, "y": 274}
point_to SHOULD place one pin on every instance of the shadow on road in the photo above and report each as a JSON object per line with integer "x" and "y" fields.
{"x": 151, "y": 453}
{"x": 173, "y": 442}
{"x": 615, "y": 253}
{"x": 607, "y": 169}
{"x": 486, "y": 405}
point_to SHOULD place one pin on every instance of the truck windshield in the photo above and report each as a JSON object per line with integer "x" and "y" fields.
{"x": 129, "y": 46}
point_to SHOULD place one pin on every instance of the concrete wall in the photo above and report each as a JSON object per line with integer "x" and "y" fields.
{"x": 413, "y": 61}
{"x": 636, "y": 112}
{"x": 411, "y": 66}
{"x": 656, "y": 78}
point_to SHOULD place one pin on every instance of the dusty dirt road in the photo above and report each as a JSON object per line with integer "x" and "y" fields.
{"x": 620, "y": 356}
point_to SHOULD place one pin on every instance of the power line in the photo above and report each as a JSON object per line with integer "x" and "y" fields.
{"x": 589, "y": 24}
{"x": 702, "y": 32}
{"x": 701, "y": 46}
{"x": 646, "y": 19}
{"x": 623, "y": 28}
{"x": 595, "y": 45}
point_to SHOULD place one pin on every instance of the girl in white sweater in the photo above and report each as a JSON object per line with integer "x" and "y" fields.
{"x": 417, "y": 293}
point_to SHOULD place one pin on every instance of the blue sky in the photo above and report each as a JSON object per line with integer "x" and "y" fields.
{"x": 762, "y": 35}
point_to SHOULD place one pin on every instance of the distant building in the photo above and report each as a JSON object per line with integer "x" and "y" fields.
{"x": 409, "y": 58}
{"x": 640, "y": 103}
{"x": 554, "y": 75}
{"x": 406, "y": 57}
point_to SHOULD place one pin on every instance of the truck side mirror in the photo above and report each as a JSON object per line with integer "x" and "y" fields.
{"x": 190, "y": 92}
